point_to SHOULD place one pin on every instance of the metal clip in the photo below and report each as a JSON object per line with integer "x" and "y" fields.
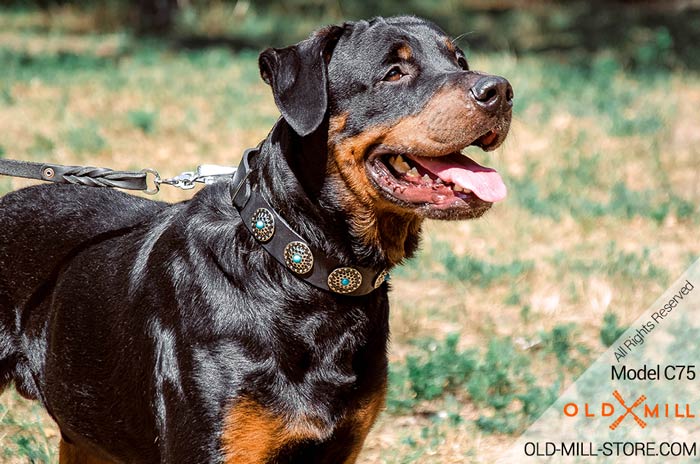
{"x": 210, "y": 173}
{"x": 184, "y": 181}
{"x": 205, "y": 174}
{"x": 156, "y": 181}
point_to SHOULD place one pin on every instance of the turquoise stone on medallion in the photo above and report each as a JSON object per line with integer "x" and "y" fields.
{"x": 263, "y": 225}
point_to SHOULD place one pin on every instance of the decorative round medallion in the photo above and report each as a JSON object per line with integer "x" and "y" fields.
{"x": 298, "y": 257}
{"x": 263, "y": 224}
{"x": 344, "y": 280}
{"x": 381, "y": 278}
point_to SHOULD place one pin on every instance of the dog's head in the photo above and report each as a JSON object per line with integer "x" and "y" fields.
{"x": 400, "y": 104}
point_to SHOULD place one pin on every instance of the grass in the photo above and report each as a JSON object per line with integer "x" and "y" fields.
{"x": 143, "y": 120}
{"x": 85, "y": 139}
{"x": 493, "y": 317}
{"x": 611, "y": 330}
{"x": 444, "y": 263}
{"x": 25, "y": 434}
{"x": 617, "y": 264}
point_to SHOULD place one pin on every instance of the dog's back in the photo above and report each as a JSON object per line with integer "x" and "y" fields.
{"x": 68, "y": 219}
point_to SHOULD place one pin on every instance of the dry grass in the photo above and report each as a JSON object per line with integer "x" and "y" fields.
{"x": 206, "y": 107}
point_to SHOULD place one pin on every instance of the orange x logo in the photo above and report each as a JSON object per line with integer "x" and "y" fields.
{"x": 628, "y": 410}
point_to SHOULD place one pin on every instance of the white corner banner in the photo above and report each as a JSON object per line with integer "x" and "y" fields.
{"x": 639, "y": 402}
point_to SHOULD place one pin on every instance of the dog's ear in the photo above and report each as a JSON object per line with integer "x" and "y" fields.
{"x": 298, "y": 76}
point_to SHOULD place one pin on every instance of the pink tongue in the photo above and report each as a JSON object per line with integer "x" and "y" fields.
{"x": 485, "y": 182}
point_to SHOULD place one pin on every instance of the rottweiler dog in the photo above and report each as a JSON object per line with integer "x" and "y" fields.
{"x": 176, "y": 333}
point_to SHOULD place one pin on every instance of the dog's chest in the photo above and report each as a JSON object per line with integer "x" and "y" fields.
{"x": 315, "y": 396}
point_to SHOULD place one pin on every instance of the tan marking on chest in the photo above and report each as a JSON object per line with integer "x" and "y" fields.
{"x": 254, "y": 435}
{"x": 363, "y": 419}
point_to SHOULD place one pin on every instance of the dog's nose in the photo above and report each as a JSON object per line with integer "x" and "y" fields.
{"x": 493, "y": 93}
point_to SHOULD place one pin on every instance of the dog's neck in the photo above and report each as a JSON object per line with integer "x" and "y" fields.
{"x": 293, "y": 173}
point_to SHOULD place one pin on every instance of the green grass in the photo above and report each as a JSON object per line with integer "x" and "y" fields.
{"x": 600, "y": 89}
{"x": 22, "y": 435}
{"x": 86, "y": 139}
{"x": 144, "y": 120}
{"x": 41, "y": 147}
{"x": 619, "y": 264}
{"x": 622, "y": 201}
{"x": 443, "y": 263}
{"x": 53, "y": 67}
{"x": 611, "y": 330}
{"x": 501, "y": 380}
{"x": 476, "y": 271}
{"x": 6, "y": 97}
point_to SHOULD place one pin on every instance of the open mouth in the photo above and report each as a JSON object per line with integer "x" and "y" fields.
{"x": 442, "y": 182}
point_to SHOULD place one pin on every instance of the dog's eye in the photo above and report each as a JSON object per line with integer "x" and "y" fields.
{"x": 394, "y": 74}
{"x": 463, "y": 63}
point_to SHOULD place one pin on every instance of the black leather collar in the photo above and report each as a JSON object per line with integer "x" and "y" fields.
{"x": 277, "y": 238}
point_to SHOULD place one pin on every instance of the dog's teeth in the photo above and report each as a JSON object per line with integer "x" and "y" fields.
{"x": 466, "y": 191}
{"x": 413, "y": 172}
{"x": 439, "y": 181}
{"x": 457, "y": 188}
{"x": 426, "y": 178}
{"x": 398, "y": 163}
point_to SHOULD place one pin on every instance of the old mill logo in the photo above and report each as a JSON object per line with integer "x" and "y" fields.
{"x": 628, "y": 410}
{"x": 639, "y": 410}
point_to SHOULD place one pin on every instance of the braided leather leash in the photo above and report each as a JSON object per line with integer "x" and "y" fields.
{"x": 104, "y": 177}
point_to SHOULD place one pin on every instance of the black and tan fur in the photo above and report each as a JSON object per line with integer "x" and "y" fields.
{"x": 163, "y": 333}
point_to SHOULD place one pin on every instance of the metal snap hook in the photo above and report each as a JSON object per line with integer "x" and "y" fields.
{"x": 156, "y": 181}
